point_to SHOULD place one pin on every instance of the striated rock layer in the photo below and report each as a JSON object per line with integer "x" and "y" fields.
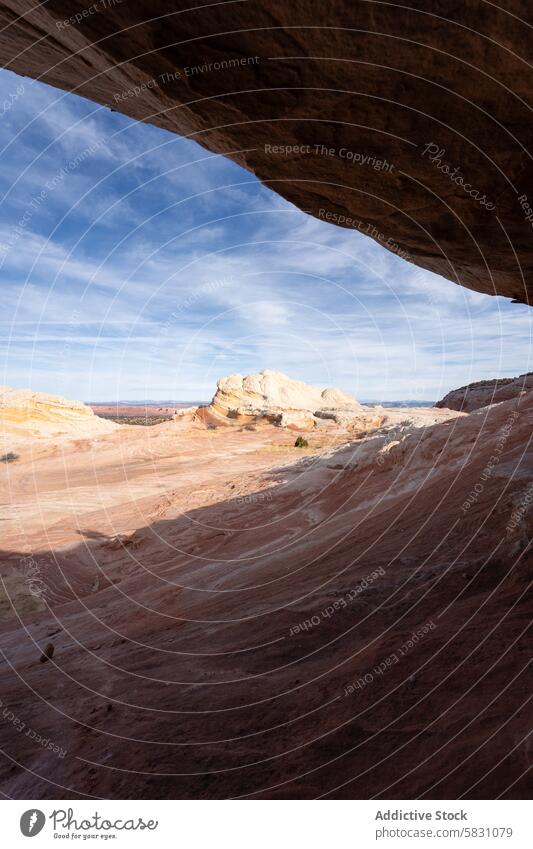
{"x": 232, "y": 618}
{"x": 24, "y": 413}
{"x": 273, "y": 390}
{"x": 410, "y": 124}
{"x": 486, "y": 392}
{"x": 271, "y": 396}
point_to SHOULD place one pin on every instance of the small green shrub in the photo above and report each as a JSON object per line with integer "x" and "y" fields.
{"x": 301, "y": 443}
{"x": 10, "y": 457}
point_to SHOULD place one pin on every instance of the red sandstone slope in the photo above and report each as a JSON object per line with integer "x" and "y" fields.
{"x": 262, "y": 644}
{"x": 485, "y": 392}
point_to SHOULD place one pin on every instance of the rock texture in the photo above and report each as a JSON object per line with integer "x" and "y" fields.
{"x": 477, "y": 395}
{"x": 408, "y": 123}
{"x": 24, "y": 413}
{"x": 273, "y": 397}
{"x": 270, "y": 397}
{"x": 233, "y": 616}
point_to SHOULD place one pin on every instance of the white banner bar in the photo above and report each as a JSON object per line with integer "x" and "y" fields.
{"x": 267, "y": 824}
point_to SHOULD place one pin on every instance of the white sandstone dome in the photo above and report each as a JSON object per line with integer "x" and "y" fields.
{"x": 272, "y": 391}
{"x": 272, "y": 397}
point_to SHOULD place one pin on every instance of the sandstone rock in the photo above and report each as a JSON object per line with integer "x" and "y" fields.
{"x": 185, "y": 412}
{"x": 297, "y": 420}
{"x": 24, "y": 413}
{"x": 474, "y": 396}
{"x": 274, "y": 390}
{"x": 366, "y": 115}
{"x": 185, "y": 416}
{"x": 16, "y": 596}
{"x": 48, "y": 653}
{"x": 272, "y": 397}
{"x": 358, "y": 423}
{"x": 401, "y": 505}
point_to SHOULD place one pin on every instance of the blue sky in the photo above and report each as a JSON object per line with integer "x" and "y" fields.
{"x": 135, "y": 264}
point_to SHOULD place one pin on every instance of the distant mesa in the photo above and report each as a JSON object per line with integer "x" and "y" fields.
{"x": 474, "y": 396}
{"x": 24, "y": 413}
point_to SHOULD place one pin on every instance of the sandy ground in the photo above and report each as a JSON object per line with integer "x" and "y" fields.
{"x": 232, "y": 616}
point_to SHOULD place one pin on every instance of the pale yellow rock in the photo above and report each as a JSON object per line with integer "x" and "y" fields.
{"x": 24, "y": 413}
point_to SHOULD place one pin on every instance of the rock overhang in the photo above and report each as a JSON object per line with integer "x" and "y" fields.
{"x": 410, "y": 125}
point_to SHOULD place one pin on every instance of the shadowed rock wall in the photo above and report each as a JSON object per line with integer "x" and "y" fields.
{"x": 410, "y": 123}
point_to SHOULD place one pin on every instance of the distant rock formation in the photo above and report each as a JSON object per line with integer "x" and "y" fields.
{"x": 270, "y": 397}
{"x": 24, "y": 413}
{"x": 473, "y": 396}
{"x": 272, "y": 394}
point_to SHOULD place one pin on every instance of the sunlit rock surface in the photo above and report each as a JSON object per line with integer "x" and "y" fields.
{"x": 485, "y": 392}
{"x": 24, "y": 413}
{"x": 276, "y": 398}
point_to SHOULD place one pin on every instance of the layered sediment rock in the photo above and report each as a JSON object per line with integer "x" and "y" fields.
{"x": 410, "y": 124}
{"x": 26, "y": 413}
{"x": 351, "y": 624}
{"x": 474, "y": 396}
{"x": 270, "y": 397}
{"x": 273, "y": 396}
